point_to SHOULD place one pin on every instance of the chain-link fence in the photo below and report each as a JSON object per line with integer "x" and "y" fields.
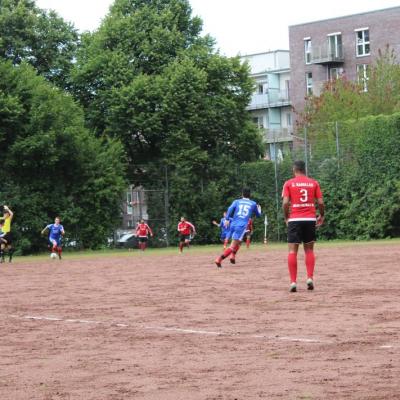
{"x": 356, "y": 164}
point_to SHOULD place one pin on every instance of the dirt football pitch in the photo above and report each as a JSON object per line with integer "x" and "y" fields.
{"x": 170, "y": 327}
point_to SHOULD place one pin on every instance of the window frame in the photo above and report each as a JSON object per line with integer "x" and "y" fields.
{"x": 362, "y": 42}
{"x": 307, "y": 50}
{"x": 309, "y": 88}
{"x": 362, "y": 71}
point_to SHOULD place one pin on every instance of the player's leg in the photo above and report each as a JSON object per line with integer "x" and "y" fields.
{"x": 3, "y": 244}
{"x": 237, "y": 236}
{"x": 248, "y": 239}
{"x": 53, "y": 247}
{"x": 144, "y": 243}
{"x": 181, "y": 243}
{"x": 294, "y": 240}
{"x": 59, "y": 249}
{"x": 309, "y": 256}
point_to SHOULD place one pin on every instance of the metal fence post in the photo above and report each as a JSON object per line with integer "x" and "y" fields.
{"x": 306, "y": 149}
{"x": 166, "y": 206}
{"x": 337, "y": 142}
{"x": 276, "y": 188}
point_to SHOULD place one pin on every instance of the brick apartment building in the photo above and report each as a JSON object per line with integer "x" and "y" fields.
{"x": 327, "y": 49}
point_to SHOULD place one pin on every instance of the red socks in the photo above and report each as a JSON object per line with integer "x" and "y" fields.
{"x": 292, "y": 264}
{"x": 310, "y": 263}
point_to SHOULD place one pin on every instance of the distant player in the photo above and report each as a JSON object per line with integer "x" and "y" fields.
{"x": 241, "y": 210}
{"x": 299, "y": 196}
{"x": 249, "y": 232}
{"x": 6, "y": 236}
{"x": 186, "y": 230}
{"x": 142, "y": 232}
{"x": 225, "y": 229}
{"x": 56, "y": 232}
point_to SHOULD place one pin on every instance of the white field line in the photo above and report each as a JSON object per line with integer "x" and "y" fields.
{"x": 237, "y": 335}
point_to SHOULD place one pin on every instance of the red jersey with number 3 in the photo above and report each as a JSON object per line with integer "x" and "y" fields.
{"x": 302, "y": 192}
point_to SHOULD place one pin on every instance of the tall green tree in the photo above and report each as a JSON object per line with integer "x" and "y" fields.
{"x": 38, "y": 37}
{"x": 148, "y": 78}
{"x": 52, "y": 165}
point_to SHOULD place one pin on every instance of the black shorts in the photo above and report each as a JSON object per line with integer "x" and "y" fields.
{"x": 301, "y": 232}
{"x": 183, "y": 238}
{"x": 142, "y": 239}
{"x": 7, "y": 238}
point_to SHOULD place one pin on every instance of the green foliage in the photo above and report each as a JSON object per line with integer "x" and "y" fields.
{"x": 148, "y": 78}
{"x": 51, "y": 165}
{"x": 361, "y": 187}
{"x": 38, "y": 37}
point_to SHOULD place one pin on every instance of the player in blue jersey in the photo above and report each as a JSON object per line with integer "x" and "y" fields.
{"x": 240, "y": 211}
{"x": 225, "y": 230}
{"x": 56, "y": 232}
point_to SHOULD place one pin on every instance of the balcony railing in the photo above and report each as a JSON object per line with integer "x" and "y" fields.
{"x": 274, "y": 98}
{"x": 278, "y": 135}
{"x": 328, "y": 54}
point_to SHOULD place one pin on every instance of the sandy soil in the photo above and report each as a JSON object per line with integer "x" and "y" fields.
{"x": 175, "y": 327}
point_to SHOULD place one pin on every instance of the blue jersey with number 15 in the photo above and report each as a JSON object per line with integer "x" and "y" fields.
{"x": 242, "y": 210}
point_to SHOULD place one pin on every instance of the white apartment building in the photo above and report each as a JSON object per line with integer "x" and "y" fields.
{"x": 270, "y": 104}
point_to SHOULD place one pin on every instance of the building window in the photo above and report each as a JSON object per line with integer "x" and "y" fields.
{"x": 307, "y": 51}
{"x": 362, "y": 42}
{"x": 259, "y": 122}
{"x": 335, "y": 50}
{"x": 334, "y": 73}
{"x": 289, "y": 119}
{"x": 309, "y": 84}
{"x": 363, "y": 75}
{"x": 129, "y": 209}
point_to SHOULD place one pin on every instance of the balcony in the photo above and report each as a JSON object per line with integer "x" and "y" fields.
{"x": 273, "y": 98}
{"x": 328, "y": 54}
{"x": 278, "y": 135}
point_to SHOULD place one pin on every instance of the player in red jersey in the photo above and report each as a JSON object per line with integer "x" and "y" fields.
{"x": 186, "y": 230}
{"x": 142, "y": 232}
{"x": 299, "y": 196}
{"x": 249, "y": 232}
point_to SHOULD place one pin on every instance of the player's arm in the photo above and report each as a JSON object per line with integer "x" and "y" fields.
{"x": 192, "y": 227}
{"x": 62, "y": 230}
{"x": 286, "y": 208}
{"x": 149, "y": 230}
{"x": 216, "y": 223}
{"x": 231, "y": 210}
{"x": 257, "y": 210}
{"x": 321, "y": 205}
{"x": 9, "y": 211}
{"x": 46, "y": 228}
{"x": 321, "y": 209}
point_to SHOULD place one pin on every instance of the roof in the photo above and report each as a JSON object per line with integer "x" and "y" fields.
{"x": 348, "y": 16}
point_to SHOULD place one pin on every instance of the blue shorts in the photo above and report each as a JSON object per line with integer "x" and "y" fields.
{"x": 52, "y": 240}
{"x": 238, "y": 232}
{"x": 226, "y": 235}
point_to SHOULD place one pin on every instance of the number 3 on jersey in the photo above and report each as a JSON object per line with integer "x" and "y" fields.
{"x": 304, "y": 195}
{"x": 243, "y": 210}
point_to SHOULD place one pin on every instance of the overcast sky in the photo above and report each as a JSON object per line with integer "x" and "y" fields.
{"x": 239, "y": 26}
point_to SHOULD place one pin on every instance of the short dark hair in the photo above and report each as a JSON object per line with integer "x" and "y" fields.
{"x": 246, "y": 192}
{"x": 299, "y": 166}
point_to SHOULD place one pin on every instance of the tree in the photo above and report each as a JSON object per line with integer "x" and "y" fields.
{"x": 148, "y": 78}
{"x": 52, "y": 165}
{"x": 38, "y": 37}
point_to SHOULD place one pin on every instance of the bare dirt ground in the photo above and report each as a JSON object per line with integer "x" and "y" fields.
{"x": 175, "y": 327}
